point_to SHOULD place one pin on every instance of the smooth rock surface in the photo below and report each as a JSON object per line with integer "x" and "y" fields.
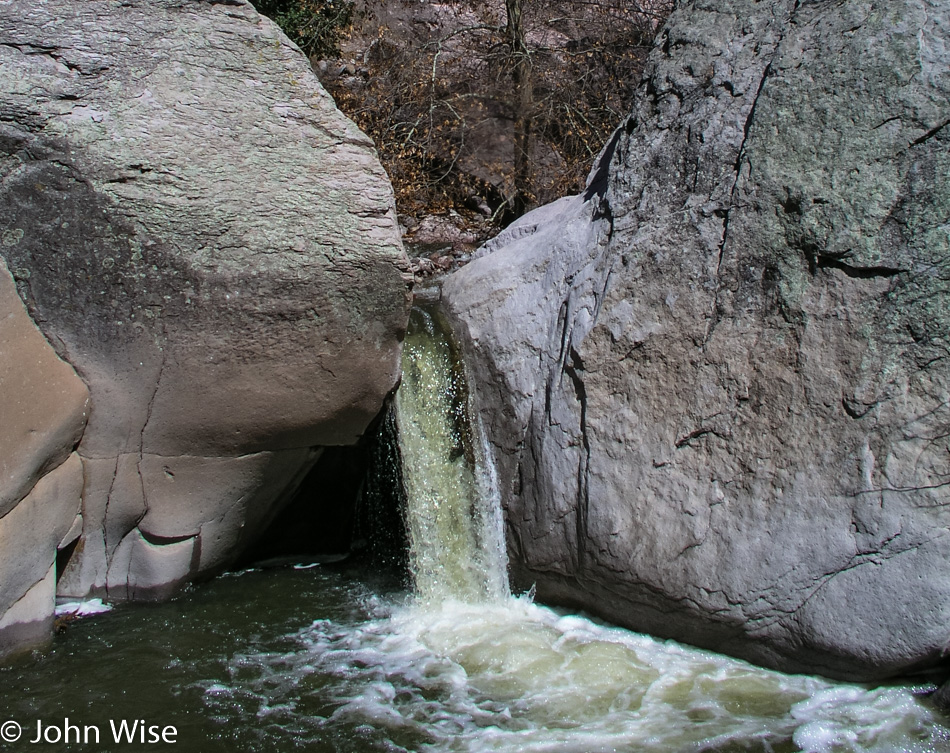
{"x": 717, "y": 385}
{"x": 43, "y": 410}
{"x": 213, "y": 247}
{"x": 43, "y": 404}
{"x": 29, "y": 537}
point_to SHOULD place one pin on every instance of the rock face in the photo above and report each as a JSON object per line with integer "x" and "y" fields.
{"x": 213, "y": 247}
{"x": 43, "y": 410}
{"x": 718, "y": 384}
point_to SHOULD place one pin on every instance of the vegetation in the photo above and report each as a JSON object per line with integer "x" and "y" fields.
{"x": 484, "y": 107}
{"x": 317, "y": 26}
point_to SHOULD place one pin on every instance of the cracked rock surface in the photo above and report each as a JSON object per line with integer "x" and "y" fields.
{"x": 43, "y": 411}
{"x": 213, "y": 247}
{"x": 717, "y": 385}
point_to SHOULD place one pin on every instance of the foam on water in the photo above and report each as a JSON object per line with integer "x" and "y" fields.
{"x": 463, "y": 666}
{"x": 82, "y": 608}
{"x": 515, "y": 676}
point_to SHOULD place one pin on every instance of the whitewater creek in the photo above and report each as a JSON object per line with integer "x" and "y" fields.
{"x": 342, "y": 658}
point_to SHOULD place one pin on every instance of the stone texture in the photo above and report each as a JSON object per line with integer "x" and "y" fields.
{"x": 213, "y": 247}
{"x": 43, "y": 409}
{"x": 717, "y": 385}
{"x": 43, "y": 404}
{"x": 29, "y": 536}
{"x": 28, "y": 621}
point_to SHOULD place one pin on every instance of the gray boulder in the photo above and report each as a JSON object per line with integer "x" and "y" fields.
{"x": 717, "y": 385}
{"x": 213, "y": 247}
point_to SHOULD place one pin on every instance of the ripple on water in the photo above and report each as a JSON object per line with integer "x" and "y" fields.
{"x": 514, "y": 676}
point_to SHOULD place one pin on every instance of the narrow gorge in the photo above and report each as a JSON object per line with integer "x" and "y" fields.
{"x": 707, "y": 399}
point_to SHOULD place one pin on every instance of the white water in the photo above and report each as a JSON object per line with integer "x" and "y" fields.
{"x": 463, "y": 666}
{"x": 521, "y": 677}
{"x": 456, "y": 546}
{"x": 515, "y": 676}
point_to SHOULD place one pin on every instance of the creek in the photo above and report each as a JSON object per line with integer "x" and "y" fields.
{"x": 344, "y": 658}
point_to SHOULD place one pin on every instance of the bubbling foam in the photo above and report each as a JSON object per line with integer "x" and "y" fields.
{"x": 515, "y": 676}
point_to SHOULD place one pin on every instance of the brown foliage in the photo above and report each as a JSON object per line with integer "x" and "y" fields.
{"x": 450, "y": 92}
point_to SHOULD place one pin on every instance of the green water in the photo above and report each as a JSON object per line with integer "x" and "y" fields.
{"x": 334, "y": 658}
{"x": 324, "y": 659}
{"x": 162, "y": 663}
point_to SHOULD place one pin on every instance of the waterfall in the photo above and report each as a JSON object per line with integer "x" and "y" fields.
{"x": 453, "y": 516}
{"x": 333, "y": 659}
{"x": 463, "y": 666}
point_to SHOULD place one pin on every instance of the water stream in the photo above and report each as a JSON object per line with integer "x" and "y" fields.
{"x": 454, "y": 518}
{"x": 317, "y": 658}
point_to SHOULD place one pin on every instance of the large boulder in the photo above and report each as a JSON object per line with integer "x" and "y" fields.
{"x": 213, "y": 247}
{"x": 718, "y": 384}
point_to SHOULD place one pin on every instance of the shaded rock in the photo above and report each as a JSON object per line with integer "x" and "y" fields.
{"x": 29, "y": 536}
{"x": 213, "y": 247}
{"x": 941, "y": 697}
{"x": 717, "y": 384}
{"x": 43, "y": 409}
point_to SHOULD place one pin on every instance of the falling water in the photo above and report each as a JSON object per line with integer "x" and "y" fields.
{"x": 511, "y": 675}
{"x": 331, "y": 660}
{"x": 456, "y": 546}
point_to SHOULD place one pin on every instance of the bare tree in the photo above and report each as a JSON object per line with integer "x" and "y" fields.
{"x": 524, "y": 103}
{"x": 490, "y": 105}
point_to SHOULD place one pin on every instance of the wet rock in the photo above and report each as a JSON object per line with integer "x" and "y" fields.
{"x": 213, "y": 247}
{"x": 717, "y": 384}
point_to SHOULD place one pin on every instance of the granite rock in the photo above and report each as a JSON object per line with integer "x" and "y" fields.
{"x": 717, "y": 385}
{"x": 213, "y": 247}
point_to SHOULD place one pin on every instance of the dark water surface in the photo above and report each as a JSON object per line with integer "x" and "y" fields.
{"x": 162, "y": 663}
{"x": 322, "y": 659}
